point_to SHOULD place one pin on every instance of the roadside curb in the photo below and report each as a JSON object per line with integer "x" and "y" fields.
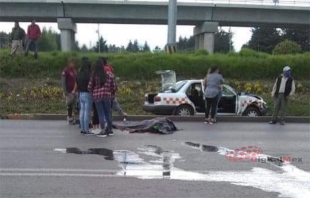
{"x": 292, "y": 119}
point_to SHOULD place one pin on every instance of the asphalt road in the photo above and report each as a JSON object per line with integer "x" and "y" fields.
{"x": 51, "y": 159}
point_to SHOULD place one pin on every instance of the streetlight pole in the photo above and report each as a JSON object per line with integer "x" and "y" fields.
{"x": 98, "y": 31}
{"x": 172, "y": 23}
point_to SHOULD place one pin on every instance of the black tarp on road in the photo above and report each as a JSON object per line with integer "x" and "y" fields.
{"x": 160, "y": 125}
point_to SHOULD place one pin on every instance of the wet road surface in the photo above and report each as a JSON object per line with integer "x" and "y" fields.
{"x": 51, "y": 159}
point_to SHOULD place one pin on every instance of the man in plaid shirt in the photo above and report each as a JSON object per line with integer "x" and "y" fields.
{"x": 103, "y": 87}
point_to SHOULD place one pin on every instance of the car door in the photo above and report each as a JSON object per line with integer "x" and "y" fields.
{"x": 195, "y": 93}
{"x": 228, "y": 101}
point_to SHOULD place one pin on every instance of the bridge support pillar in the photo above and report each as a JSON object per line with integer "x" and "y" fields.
{"x": 67, "y": 33}
{"x": 204, "y": 36}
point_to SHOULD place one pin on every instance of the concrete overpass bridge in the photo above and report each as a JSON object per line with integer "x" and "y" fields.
{"x": 206, "y": 16}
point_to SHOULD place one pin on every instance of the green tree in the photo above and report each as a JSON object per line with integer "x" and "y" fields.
{"x": 103, "y": 45}
{"x": 146, "y": 47}
{"x": 84, "y": 48}
{"x": 136, "y": 46}
{"x": 186, "y": 44}
{"x": 129, "y": 47}
{"x": 47, "y": 41}
{"x": 76, "y": 46}
{"x": 264, "y": 39}
{"x": 287, "y": 47}
{"x": 4, "y": 40}
{"x": 223, "y": 41}
{"x": 300, "y": 36}
{"x": 157, "y": 49}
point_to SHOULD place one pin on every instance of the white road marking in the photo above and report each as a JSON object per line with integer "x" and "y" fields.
{"x": 55, "y": 175}
{"x": 56, "y": 170}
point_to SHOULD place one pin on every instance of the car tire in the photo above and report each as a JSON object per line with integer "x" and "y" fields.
{"x": 184, "y": 110}
{"x": 251, "y": 112}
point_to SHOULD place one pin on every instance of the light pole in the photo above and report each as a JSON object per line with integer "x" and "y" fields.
{"x": 98, "y": 31}
{"x": 172, "y": 23}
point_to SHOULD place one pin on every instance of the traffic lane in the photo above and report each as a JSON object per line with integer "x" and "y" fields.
{"x": 197, "y": 160}
{"x": 81, "y": 187}
{"x": 33, "y": 148}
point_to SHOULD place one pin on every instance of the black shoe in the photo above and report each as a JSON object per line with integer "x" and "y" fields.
{"x": 111, "y": 133}
{"x": 282, "y": 123}
{"x": 103, "y": 134}
{"x": 83, "y": 132}
{"x": 89, "y": 133}
{"x": 273, "y": 122}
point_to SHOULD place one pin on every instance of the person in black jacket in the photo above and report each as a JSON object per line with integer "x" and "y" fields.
{"x": 283, "y": 88}
{"x": 85, "y": 97}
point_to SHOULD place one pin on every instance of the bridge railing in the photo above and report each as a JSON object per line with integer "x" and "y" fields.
{"x": 296, "y": 3}
{"x": 246, "y": 2}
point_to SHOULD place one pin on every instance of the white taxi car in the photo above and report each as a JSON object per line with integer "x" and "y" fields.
{"x": 186, "y": 97}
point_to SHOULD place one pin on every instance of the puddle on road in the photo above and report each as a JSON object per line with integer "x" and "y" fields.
{"x": 290, "y": 182}
{"x": 131, "y": 163}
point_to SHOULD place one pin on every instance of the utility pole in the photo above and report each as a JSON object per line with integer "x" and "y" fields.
{"x": 172, "y": 24}
{"x": 230, "y": 39}
{"x": 98, "y": 31}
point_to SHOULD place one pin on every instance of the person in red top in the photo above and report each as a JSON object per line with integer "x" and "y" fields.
{"x": 115, "y": 105}
{"x": 68, "y": 80}
{"x": 103, "y": 87}
{"x": 33, "y": 33}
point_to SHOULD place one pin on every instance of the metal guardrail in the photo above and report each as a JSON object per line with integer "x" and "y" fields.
{"x": 296, "y": 3}
{"x": 244, "y": 2}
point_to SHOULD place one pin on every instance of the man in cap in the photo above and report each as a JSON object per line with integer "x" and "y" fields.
{"x": 283, "y": 88}
{"x": 17, "y": 37}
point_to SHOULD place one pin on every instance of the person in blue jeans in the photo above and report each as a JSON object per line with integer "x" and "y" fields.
{"x": 103, "y": 87}
{"x": 85, "y": 96}
{"x": 33, "y": 33}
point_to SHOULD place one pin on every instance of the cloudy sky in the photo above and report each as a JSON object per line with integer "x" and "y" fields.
{"x": 121, "y": 34}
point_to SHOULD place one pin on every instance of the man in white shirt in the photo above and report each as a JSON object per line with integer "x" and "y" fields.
{"x": 283, "y": 89}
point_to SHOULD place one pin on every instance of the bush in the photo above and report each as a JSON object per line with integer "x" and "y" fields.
{"x": 287, "y": 47}
{"x": 247, "y": 65}
{"x": 201, "y": 52}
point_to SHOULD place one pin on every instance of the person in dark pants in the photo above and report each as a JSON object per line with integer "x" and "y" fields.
{"x": 219, "y": 96}
{"x": 85, "y": 97}
{"x": 283, "y": 89}
{"x": 95, "y": 121}
{"x": 103, "y": 87}
{"x": 213, "y": 82}
{"x": 33, "y": 33}
{"x": 68, "y": 78}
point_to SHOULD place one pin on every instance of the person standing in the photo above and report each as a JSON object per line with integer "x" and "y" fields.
{"x": 68, "y": 80}
{"x": 18, "y": 38}
{"x": 282, "y": 90}
{"x": 219, "y": 96}
{"x": 115, "y": 105}
{"x": 212, "y": 83}
{"x": 85, "y": 97}
{"x": 103, "y": 87}
{"x": 33, "y": 33}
